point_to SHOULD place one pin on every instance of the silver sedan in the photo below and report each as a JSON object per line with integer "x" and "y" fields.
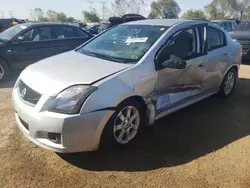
{"x": 100, "y": 94}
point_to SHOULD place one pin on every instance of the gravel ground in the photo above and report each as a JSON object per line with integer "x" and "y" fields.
{"x": 205, "y": 145}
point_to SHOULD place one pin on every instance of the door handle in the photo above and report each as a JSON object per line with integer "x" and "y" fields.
{"x": 226, "y": 54}
{"x": 200, "y": 66}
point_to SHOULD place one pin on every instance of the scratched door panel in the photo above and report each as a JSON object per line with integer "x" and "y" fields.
{"x": 175, "y": 85}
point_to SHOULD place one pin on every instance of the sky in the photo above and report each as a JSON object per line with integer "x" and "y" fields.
{"x": 22, "y": 8}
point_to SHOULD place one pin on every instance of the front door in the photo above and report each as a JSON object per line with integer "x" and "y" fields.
{"x": 30, "y": 47}
{"x": 177, "y": 85}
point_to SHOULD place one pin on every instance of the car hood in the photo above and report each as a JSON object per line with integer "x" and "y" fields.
{"x": 240, "y": 34}
{"x": 52, "y": 75}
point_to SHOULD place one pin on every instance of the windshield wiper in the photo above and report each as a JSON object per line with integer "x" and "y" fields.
{"x": 107, "y": 57}
{"x": 90, "y": 53}
{"x": 102, "y": 56}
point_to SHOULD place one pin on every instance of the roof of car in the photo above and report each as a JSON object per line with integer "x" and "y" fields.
{"x": 163, "y": 22}
{"x": 28, "y": 24}
{"x": 222, "y": 20}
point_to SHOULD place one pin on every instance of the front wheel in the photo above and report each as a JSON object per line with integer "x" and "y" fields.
{"x": 123, "y": 126}
{"x": 228, "y": 84}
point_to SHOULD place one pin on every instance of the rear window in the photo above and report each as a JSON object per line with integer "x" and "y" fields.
{"x": 215, "y": 38}
{"x": 67, "y": 32}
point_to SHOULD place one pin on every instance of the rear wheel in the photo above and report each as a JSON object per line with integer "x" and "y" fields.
{"x": 4, "y": 70}
{"x": 123, "y": 126}
{"x": 228, "y": 84}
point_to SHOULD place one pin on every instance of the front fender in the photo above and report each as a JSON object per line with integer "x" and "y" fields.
{"x": 108, "y": 95}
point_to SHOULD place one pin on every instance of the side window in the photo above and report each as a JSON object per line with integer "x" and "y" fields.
{"x": 222, "y": 25}
{"x": 215, "y": 38}
{"x": 41, "y": 34}
{"x": 67, "y": 32}
{"x": 81, "y": 33}
{"x": 35, "y": 34}
{"x": 182, "y": 45}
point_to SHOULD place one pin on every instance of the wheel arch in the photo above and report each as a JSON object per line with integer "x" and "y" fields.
{"x": 109, "y": 114}
{"x": 235, "y": 67}
{"x": 5, "y": 61}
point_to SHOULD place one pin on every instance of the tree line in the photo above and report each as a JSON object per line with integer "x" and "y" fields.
{"x": 50, "y": 15}
{"x": 216, "y": 10}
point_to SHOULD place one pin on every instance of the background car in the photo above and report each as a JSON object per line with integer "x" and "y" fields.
{"x": 102, "y": 93}
{"x": 28, "y": 43}
{"x": 93, "y": 29}
{"x": 241, "y": 34}
{"x": 113, "y": 21}
{"x": 104, "y": 27}
{"x": 77, "y": 24}
{"x": 227, "y": 25}
{"x": 6, "y": 23}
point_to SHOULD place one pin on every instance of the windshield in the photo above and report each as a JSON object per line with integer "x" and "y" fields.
{"x": 216, "y": 23}
{"x": 243, "y": 26}
{"x": 124, "y": 43}
{"x": 8, "y": 34}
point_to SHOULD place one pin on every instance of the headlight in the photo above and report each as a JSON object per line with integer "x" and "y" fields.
{"x": 235, "y": 40}
{"x": 71, "y": 99}
{"x": 2, "y": 43}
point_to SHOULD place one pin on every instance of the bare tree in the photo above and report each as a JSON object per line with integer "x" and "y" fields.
{"x": 136, "y": 6}
{"x": 52, "y": 15}
{"x": 243, "y": 6}
{"x": 121, "y": 7}
{"x": 221, "y": 9}
{"x": 39, "y": 14}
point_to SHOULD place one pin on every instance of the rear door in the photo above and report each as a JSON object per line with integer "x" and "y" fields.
{"x": 217, "y": 56}
{"x": 66, "y": 38}
{"x": 31, "y": 46}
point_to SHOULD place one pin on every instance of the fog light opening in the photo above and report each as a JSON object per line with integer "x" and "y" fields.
{"x": 55, "y": 137}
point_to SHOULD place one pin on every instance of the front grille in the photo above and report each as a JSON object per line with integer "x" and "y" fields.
{"x": 27, "y": 94}
{"x": 245, "y": 51}
{"x": 244, "y": 42}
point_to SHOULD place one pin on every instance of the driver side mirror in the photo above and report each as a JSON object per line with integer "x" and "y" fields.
{"x": 174, "y": 63}
{"x": 19, "y": 39}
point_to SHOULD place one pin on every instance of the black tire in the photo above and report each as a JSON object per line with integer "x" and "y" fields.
{"x": 4, "y": 70}
{"x": 108, "y": 140}
{"x": 223, "y": 92}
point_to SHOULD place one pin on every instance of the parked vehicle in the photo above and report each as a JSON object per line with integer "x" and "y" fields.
{"x": 236, "y": 20}
{"x": 77, "y": 24}
{"x": 102, "y": 93}
{"x": 113, "y": 21}
{"x": 227, "y": 25}
{"x": 6, "y": 23}
{"x": 28, "y": 43}
{"x": 241, "y": 34}
{"x": 104, "y": 27}
{"x": 93, "y": 29}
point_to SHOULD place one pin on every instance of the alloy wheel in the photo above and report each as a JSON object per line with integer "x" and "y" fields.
{"x": 229, "y": 83}
{"x": 1, "y": 72}
{"x": 126, "y": 124}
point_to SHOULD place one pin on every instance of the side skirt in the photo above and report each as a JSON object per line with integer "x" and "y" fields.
{"x": 182, "y": 104}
